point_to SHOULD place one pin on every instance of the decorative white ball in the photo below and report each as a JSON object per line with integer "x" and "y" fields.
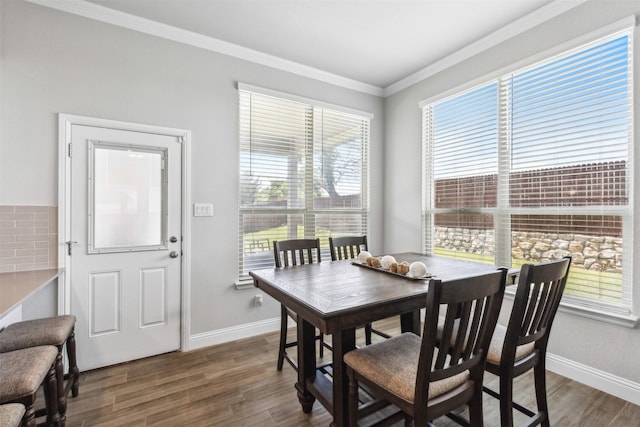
{"x": 417, "y": 269}
{"x": 362, "y": 257}
{"x": 386, "y": 261}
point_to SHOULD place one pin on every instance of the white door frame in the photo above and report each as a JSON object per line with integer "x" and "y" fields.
{"x": 65, "y": 121}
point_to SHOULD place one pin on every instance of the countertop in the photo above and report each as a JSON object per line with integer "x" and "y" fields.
{"x": 18, "y": 286}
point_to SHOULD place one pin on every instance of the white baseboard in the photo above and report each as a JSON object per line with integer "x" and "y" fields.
{"x": 604, "y": 381}
{"x": 233, "y": 333}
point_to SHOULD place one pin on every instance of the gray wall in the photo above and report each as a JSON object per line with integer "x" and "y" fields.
{"x": 613, "y": 349}
{"x": 56, "y": 62}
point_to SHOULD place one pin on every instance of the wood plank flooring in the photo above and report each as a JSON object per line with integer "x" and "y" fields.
{"x": 237, "y": 384}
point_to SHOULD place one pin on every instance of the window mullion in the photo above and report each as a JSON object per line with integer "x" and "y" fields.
{"x": 310, "y": 122}
{"x": 427, "y": 180}
{"x": 502, "y": 218}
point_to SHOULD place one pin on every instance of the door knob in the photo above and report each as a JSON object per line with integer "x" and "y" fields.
{"x": 174, "y": 254}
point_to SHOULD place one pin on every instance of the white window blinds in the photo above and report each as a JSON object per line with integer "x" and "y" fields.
{"x": 536, "y": 166}
{"x": 463, "y": 157}
{"x": 303, "y": 174}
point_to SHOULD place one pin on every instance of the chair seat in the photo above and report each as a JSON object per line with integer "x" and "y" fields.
{"x": 23, "y": 371}
{"x": 495, "y": 348}
{"x": 497, "y": 341}
{"x": 30, "y": 333}
{"x": 394, "y": 363}
{"x": 11, "y": 414}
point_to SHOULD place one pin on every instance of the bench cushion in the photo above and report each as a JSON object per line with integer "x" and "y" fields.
{"x": 11, "y": 414}
{"x": 31, "y": 333}
{"x": 22, "y": 371}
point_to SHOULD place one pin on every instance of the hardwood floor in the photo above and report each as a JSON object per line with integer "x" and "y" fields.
{"x": 237, "y": 384}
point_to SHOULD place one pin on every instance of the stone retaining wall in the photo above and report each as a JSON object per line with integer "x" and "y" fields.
{"x": 597, "y": 253}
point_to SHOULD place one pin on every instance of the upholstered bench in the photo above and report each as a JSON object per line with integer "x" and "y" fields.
{"x": 23, "y": 372}
{"x": 57, "y": 331}
{"x": 11, "y": 414}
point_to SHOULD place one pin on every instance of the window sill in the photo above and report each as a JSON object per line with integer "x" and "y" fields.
{"x": 627, "y": 320}
{"x": 243, "y": 283}
{"x": 620, "y": 319}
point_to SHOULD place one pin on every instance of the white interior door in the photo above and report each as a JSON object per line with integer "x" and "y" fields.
{"x": 124, "y": 259}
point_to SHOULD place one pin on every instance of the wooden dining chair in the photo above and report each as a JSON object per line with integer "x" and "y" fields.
{"x": 349, "y": 247}
{"x": 522, "y": 345}
{"x": 296, "y": 252}
{"x": 289, "y": 253}
{"x": 426, "y": 382}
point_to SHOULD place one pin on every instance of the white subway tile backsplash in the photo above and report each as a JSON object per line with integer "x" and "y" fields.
{"x": 34, "y": 223}
{"x": 33, "y": 252}
{"x": 17, "y": 245}
{"x": 6, "y": 253}
{"x": 28, "y": 238}
{"x": 31, "y": 209}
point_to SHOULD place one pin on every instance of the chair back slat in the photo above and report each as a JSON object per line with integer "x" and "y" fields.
{"x": 470, "y": 307}
{"x": 542, "y": 308}
{"x": 347, "y": 247}
{"x": 296, "y": 252}
{"x": 530, "y": 306}
{"x": 447, "y": 338}
{"x": 460, "y": 341}
{"x": 475, "y": 327}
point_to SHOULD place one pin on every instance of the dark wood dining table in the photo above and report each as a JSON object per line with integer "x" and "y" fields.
{"x": 338, "y": 296}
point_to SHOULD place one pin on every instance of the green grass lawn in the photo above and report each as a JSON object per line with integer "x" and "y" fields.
{"x": 602, "y": 286}
{"x": 599, "y": 285}
{"x": 281, "y": 233}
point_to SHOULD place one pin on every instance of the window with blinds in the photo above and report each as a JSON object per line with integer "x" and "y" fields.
{"x": 537, "y": 165}
{"x": 303, "y": 174}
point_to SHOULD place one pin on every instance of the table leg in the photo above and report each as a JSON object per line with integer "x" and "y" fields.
{"x": 410, "y": 322}
{"x": 342, "y": 342}
{"x": 306, "y": 362}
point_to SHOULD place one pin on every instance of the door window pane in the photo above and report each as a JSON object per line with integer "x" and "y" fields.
{"x": 127, "y": 198}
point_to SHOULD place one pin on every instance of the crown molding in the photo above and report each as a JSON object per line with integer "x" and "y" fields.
{"x": 517, "y": 27}
{"x": 147, "y": 26}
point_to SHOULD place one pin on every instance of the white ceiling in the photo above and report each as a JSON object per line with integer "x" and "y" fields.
{"x": 377, "y": 43}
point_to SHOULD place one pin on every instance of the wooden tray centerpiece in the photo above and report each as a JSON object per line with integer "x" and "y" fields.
{"x": 388, "y": 264}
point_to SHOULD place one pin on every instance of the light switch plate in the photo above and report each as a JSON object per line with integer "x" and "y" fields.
{"x": 202, "y": 209}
